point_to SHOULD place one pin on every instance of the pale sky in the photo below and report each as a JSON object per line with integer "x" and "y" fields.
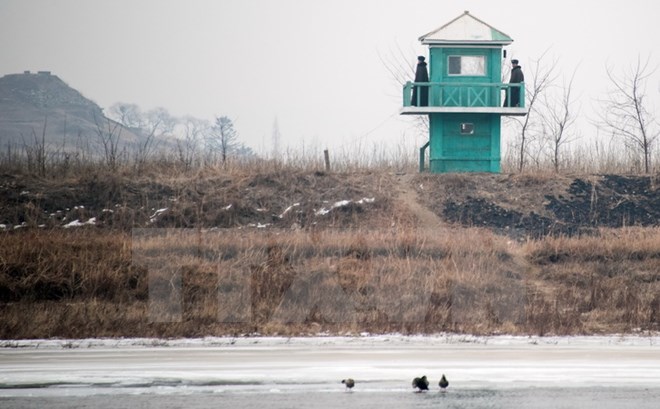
{"x": 314, "y": 65}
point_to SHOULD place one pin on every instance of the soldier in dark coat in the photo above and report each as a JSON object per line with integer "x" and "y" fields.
{"x": 421, "y": 75}
{"x": 516, "y": 78}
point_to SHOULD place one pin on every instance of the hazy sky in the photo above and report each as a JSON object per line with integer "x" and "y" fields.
{"x": 314, "y": 65}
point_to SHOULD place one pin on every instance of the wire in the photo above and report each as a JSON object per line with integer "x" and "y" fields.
{"x": 369, "y": 132}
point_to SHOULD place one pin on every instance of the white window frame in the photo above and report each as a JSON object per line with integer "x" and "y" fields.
{"x": 465, "y": 65}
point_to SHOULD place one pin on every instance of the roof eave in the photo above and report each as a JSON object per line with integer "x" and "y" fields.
{"x": 466, "y": 42}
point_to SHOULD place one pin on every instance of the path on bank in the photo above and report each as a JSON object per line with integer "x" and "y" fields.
{"x": 407, "y": 194}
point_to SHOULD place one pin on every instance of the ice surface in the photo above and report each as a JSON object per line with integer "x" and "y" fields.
{"x": 377, "y": 363}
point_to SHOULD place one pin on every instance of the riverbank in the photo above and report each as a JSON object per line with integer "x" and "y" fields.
{"x": 305, "y": 253}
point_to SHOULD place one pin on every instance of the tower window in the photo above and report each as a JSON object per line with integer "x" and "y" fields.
{"x": 467, "y": 128}
{"x": 466, "y": 65}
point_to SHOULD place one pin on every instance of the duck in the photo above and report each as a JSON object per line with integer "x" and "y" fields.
{"x": 422, "y": 384}
{"x": 349, "y": 382}
{"x": 443, "y": 382}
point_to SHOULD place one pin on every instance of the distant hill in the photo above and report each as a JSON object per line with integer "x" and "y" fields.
{"x": 28, "y": 101}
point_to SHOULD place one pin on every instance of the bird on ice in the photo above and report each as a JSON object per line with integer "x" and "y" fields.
{"x": 350, "y": 383}
{"x": 443, "y": 382}
{"x": 422, "y": 384}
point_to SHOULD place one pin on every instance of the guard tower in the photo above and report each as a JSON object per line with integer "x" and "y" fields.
{"x": 465, "y": 96}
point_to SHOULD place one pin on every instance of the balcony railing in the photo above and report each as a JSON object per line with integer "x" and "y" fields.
{"x": 456, "y": 95}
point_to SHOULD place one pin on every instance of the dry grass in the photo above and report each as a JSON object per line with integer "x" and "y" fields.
{"x": 610, "y": 282}
{"x": 176, "y": 282}
{"x": 210, "y": 198}
{"x": 364, "y": 268}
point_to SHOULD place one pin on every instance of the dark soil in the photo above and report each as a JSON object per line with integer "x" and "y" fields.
{"x": 516, "y": 205}
{"x": 524, "y": 206}
{"x": 610, "y": 201}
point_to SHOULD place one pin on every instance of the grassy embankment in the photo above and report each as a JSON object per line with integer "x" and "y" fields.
{"x": 364, "y": 267}
{"x": 96, "y": 282}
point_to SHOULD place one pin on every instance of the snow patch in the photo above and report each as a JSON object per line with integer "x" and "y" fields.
{"x": 288, "y": 209}
{"x": 342, "y": 203}
{"x": 75, "y": 223}
{"x": 157, "y": 213}
{"x": 259, "y": 225}
{"x": 78, "y": 223}
{"x": 363, "y": 339}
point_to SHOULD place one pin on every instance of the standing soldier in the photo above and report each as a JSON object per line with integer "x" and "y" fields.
{"x": 516, "y": 78}
{"x": 421, "y": 75}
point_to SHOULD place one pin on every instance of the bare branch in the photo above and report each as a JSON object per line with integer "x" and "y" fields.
{"x": 626, "y": 114}
{"x": 559, "y": 116}
{"x": 543, "y": 77}
{"x": 109, "y": 138}
{"x": 401, "y": 67}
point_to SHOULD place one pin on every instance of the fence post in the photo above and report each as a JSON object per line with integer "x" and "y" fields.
{"x": 326, "y": 156}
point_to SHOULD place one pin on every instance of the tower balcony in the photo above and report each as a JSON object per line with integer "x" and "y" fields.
{"x": 462, "y": 97}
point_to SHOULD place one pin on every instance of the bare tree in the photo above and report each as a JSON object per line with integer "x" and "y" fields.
{"x": 36, "y": 154}
{"x": 156, "y": 123}
{"x": 188, "y": 146}
{"x": 542, "y": 76}
{"x": 401, "y": 66}
{"x": 109, "y": 134}
{"x": 223, "y": 138}
{"x": 129, "y": 115}
{"x": 626, "y": 113}
{"x": 559, "y": 116}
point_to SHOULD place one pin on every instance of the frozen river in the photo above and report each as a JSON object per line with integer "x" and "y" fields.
{"x": 495, "y": 372}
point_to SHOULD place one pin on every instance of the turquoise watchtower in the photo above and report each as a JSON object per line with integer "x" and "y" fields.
{"x": 466, "y": 96}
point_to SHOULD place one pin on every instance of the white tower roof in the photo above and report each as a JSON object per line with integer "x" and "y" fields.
{"x": 466, "y": 29}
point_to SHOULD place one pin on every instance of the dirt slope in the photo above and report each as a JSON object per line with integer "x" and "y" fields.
{"x": 519, "y": 206}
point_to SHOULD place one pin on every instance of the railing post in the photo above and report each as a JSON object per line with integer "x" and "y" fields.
{"x": 407, "y": 94}
{"x": 422, "y": 156}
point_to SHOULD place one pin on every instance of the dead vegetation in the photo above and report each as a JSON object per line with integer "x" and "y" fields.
{"x": 206, "y": 199}
{"x": 285, "y": 251}
{"x": 189, "y": 282}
